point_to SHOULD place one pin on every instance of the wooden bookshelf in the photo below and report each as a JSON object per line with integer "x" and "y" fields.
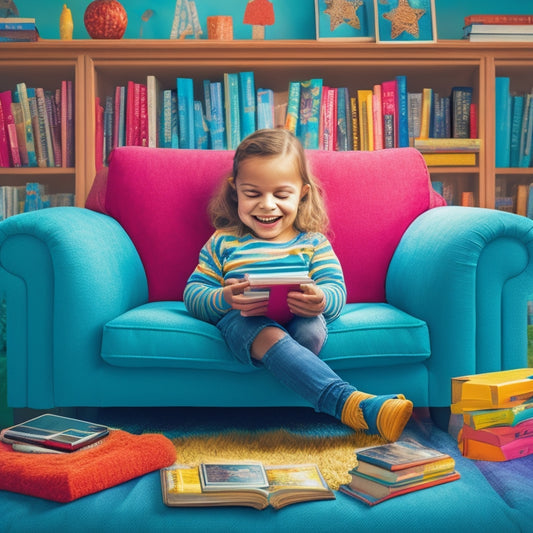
{"x": 97, "y": 66}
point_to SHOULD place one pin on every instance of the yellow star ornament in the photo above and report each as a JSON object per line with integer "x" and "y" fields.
{"x": 404, "y": 18}
{"x": 340, "y": 11}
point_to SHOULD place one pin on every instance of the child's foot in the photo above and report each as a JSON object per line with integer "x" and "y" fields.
{"x": 386, "y": 415}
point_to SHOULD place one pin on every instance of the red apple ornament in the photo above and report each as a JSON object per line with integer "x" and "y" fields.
{"x": 105, "y": 19}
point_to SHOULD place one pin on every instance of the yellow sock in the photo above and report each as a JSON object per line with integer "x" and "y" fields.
{"x": 392, "y": 417}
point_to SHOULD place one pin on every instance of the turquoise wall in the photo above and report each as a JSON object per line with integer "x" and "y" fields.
{"x": 294, "y": 18}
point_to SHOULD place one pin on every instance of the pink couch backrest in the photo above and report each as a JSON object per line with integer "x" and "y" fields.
{"x": 160, "y": 198}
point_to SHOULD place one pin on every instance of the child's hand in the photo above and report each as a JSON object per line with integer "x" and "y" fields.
{"x": 311, "y": 301}
{"x": 233, "y": 294}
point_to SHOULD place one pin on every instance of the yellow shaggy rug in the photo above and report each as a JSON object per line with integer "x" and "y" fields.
{"x": 334, "y": 455}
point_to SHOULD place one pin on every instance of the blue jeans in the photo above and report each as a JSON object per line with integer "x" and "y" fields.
{"x": 293, "y": 360}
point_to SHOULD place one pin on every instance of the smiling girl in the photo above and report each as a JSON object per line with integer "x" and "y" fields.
{"x": 269, "y": 215}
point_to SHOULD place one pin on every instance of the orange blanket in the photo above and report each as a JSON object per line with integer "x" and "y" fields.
{"x": 119, "y": 457}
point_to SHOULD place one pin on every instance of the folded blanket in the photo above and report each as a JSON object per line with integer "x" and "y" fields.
{"x": 119, "y": 457}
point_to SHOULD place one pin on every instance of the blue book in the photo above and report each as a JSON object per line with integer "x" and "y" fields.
{"x": 293, "y": 107}
{"x": 206, "y": 87}
{"x": 517, "y": 111}
{"x": 26, "y": 25}
{"x": 265, "y": 109}
{"x": 529, "y": 212}
{"x": 232, "y": 110}
{"x": 461, "y": 98}
{"x": 185, "y": 95}
{"x": 218, "y": 125}
{"x": 524, "y": 154}
{"x": 503, "y": 121}
{"x": 165, "y": 135}
{"x": 200, "y": 127}
{"x": 309, "y": 119}
{"x": 174, "y": 121}
{"x": 342, "y": 121}
{"x": 403, "y": 120}
{"x": 247, "y": 103}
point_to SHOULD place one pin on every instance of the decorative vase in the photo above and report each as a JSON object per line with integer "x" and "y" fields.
{"x": 105, "y": 19}
{"x": 66, "y": 26}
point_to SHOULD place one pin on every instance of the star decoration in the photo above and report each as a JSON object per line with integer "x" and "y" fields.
{"x": 343, "y": 11}
{"x": 404, "y": 18}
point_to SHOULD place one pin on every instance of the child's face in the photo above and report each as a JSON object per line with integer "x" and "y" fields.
{"x": 269, "y": 191}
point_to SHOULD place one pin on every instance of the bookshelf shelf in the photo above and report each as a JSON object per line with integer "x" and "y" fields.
{"x": 97, "y": 66}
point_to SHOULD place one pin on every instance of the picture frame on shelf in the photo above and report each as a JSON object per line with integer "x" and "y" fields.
{"x": 348, "y": 20}
{"x": 405, "y": 21}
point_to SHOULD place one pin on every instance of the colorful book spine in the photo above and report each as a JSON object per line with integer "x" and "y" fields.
{"x": 247, "y": 104}
{"x": 389, "y": 101}
{"x": 403, "y": 111}
{"x": 21, "y": 96}
{"x": 153, "y": 104}
{"x": 309, "y": 116}
{"x": 218, "y": 124}
{"x": 524, "y": 159}
{"x": 449, "y": 159}
{"x": 6, "y": 101}
{"x": 131, "y": 115}
{"x": 232, "y": 110}
{"x": 185, "y": 94}
{"x": 265, "y": 108}
{"x": 44, "y": 126}
{"x": 293, "y": 107}
{"x": 377, "y": 117}
{"x": 38, "y": 130}
{"x": 55, "y": 125}
{"x": 354, "y": 119}
{"x": 498, "y": 19}
{"x": 414, "y": 101}
{"x": 4, "y": 144}
{"x": 362, "y": 99}
{"x": 143, "y": 115}
{"x": 98, "y": 134}
{"x": 503, "y": 121}
{"x": 517, "y": 112}
{"x": 200, "y": 127}
{"x": 426, "y": 112}
{"x": 461, "y": 98}
{"x": 344, "y": 141}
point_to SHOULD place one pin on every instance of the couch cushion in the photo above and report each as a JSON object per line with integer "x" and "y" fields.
{"x": 163, "y": 334}
{"x": 160, "y": 198}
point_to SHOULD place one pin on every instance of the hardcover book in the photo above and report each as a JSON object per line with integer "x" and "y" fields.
{"x": 448, "y": 159}
{"x": 372, "y": 493}
{"x": 510, "y": 416}
{"x": 309, "y": 117}
{"x": 275, "y": 288}
{"x": 498, "y": 435}
{"x": 181, "y": 486}
{"x": 57, "y": 432}
{"x": 491, "y": 390}
{"x": 484, "y": 451}
{"x": 400, "y": 455}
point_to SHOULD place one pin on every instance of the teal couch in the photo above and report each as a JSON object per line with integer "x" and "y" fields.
{"x": 95, "y": 316}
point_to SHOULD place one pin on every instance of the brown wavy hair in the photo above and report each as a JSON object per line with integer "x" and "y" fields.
{"x": 266, "y": 143}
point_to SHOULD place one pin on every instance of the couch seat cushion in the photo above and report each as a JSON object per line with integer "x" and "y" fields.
{"x": 163, "y": 334}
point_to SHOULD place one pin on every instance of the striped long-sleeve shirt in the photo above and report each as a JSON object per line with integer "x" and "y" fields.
{"x": 227, "y": 256}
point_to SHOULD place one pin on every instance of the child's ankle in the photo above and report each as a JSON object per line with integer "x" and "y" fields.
{"x": 383, "y": 415}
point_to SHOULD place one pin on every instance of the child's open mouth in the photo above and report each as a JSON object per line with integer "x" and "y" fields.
{"x": 267, "y": 220}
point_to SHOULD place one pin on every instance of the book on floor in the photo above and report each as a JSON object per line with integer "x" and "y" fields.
{"x": 390, "y": 470}
{"x": 275, "y": 287}
{"x": 372, "y": 492}
{"x": 232, "y": 484}
{"x": 399, "y": 455}
{"x": 491, "y": 390}
{"x": 56, "y": 432}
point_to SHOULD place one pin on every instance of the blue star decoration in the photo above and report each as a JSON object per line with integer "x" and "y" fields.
{"x": 404, "y": 18}
{"x": 343, "y": 11}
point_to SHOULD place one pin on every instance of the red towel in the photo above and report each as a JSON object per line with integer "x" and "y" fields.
{"x": 119, "y": 457}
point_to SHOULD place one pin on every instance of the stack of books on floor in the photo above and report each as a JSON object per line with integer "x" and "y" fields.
{"x": 492, "y": 414}
{"x": 390, "y": 470}
{"x": 507, "y": 28}
{"x": 14, "y": 29}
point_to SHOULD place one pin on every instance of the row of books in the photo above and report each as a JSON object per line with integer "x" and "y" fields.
{"x": 37, "y": 126}
{"x": 15, "y": 199}
{"x": 520, "y": 200}
{"x": 390, "y": 470}
{"x": 514, "y": 126}
{"x": 492, "y": 414}
{"x": 15, "y": 29}
{"x": 221, "y": 113}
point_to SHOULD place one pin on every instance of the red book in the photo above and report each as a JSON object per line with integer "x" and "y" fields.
{"x": 498, "y": 19}
{"x": 499, "y": 435}
{"x": 4, "y": 146}
{"x": 473, "y": 121}
{"x": 389, "y": 103}
{"x": 131, "y": 117}
{"x": 63, "y": 114}
{"x": 143, "y": 115}
{"x": 98, "y": 134}
{"x": 6, "y": 100}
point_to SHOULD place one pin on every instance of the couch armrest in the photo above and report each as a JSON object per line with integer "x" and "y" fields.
{"x": 467, "y": 272}
{"x": 65, "y": 271}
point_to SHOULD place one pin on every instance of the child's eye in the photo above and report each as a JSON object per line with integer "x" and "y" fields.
{"x": 251, "y": 194}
